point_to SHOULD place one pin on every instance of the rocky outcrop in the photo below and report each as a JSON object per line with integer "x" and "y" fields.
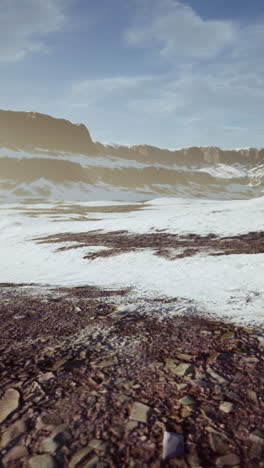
{"x": 27, "y": 130}
{"x": 30, "y": 131}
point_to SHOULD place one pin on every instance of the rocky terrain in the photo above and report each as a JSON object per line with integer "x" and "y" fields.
{"x": 85, "y": 383}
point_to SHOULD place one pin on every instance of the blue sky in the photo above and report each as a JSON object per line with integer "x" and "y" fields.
{"x": 163, "y": 72}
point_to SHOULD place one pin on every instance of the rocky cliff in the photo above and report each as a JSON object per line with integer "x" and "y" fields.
{"x": 28, "y": 130}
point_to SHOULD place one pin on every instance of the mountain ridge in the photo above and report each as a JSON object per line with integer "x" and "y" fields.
{"x": 30, "y": 130}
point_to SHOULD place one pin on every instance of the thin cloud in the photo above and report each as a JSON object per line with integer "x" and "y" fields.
{"x": 89, "y": 91}
{"x": 24, "y": 25}
{"x": 176, "y": 30}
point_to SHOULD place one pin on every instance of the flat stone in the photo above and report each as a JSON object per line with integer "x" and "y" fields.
{"x": 12, "y": 433}
{"x": 187, "y": 400}
{"x": 257, "y": 437}
{"x": 173, "y": 445}
{"x": 261, "y": 341}
{"x": 93, "y": 462}
{"x": 124, "y": 398}
{"x": 99, "y": 445}
{"x": 218, "y": 444}
{"x": 181, "y": 386}
{"x": 182, "y": 369}
{"x": 42, "y": 461}
{"x": 205, "y": 332}
{"x": 46, "y": 377}
{"x": 57, "y": 439}
{"x": 200, "y": 383}
{"x": 48, "y": 421}
{"x": 209, "y": 412}
{"x": 131, "y": 425}
{"x": 226, "y": 407}
{"x": 139, "y": 412}
{"x": 102, "y": 364}
{"x": 216, "y": 376}
{"x": 80, "y": 456}
{"x": 227, "y": 336}
{"x": 9, "y": 403}
{"x": 184, "y": 357}
{"x": 252, "y": 396}
{"x": 171, "y": 364}
{"x": 228, "y": 460}
{"x": 186, "y": 411}
{"x": 17, "y": 452}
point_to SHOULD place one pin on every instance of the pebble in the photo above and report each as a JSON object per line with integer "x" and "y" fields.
{"x": 9, "y": 403}
{"x": 42, "y": 461}
{"x": 226, "y": 407}
{"x": 173, "y": 445}
{"x": 139, "y": 412}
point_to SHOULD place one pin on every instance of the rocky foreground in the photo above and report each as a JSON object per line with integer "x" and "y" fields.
{"x": 87, "y": 384}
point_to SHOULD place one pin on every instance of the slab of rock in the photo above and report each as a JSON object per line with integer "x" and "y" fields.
{"x": 48, "y": 421}
{"x": 216, "y": 376}
{"x": 46, "y": 377}
{"x": 12, "y": 433}
{"x": 188, "y": 400}
{"x": 17, "y": 452}
{"x": 257, "y": 437}
{"x": 80, "y": 456}
{"x": 227, "y": 336}
{"x": 182, "y": 369}
{"x": 9, "y": 403}
{"x": 139, "y": 412}
{"x": 218, "y": 444}
{"x": 57, "y": 439}
{"x": 100, "y": 445}
{"x": 173, "y": 445}
{"x": 42, "y": 461}
{"x": 228, "y": 460}
{"x": 92, "y": 463}
{"x": 226, "y": 407}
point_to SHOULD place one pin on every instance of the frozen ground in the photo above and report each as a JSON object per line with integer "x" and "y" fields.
{"x": 231, "y": 287}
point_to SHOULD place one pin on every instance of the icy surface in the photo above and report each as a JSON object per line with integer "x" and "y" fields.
{"x": 226, "y": 286}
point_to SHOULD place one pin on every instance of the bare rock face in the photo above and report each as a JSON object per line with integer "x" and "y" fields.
{"x": 26, "y": 130}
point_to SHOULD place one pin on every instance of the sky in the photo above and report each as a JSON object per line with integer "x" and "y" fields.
{"x": 167, "y": 73}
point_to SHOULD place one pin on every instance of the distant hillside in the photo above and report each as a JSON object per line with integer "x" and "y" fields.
{"x": 29, "y": 131}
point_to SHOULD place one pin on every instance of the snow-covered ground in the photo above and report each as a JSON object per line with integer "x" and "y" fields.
{"x": 229, "y": 286}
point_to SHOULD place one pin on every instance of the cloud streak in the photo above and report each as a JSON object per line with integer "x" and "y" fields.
{"x": 24, "y": 24}
{"x": 178, "y": 31}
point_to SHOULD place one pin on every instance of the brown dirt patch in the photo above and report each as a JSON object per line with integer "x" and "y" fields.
{"x": 163, "y": 244}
